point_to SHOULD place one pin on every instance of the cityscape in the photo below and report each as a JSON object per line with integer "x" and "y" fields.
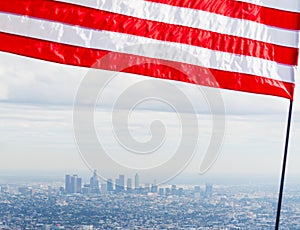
{"x": 126, "y": 203}
{"x": 203, "y": 97}
{"x": 73, "y": 184}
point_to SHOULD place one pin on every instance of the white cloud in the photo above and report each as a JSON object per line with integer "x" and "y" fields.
{"x": 32, "y": 81}
{"x": 41, "y": 137}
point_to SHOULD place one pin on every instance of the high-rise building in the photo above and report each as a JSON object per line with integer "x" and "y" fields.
{"x": 73, "y": 184}
{"x": 136, "y": 181}
{"x": 208, "y": 190}
{"x": 94, "y": 183}
{"x": 117, "y": 185}
{"x": 68, "y": 184}
{"x": 154, "y": 188}
{"x": 168, "y": 192}
{"x": 161, "y": 191}
{"x": 180, "y": 192}
{"x": 129, "y": 184}
{"x": 120, "y": 183}
{"x": 109, "y": 186}
{"x": 78, "y": 185}
{"x": 173, "y": 189}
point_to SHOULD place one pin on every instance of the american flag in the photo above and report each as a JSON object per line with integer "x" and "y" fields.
{"x": 247, "y": 45}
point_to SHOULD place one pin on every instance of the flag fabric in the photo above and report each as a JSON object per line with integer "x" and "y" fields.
{"x": 247, "y": 45}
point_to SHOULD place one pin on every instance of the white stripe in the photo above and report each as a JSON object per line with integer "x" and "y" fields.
{"x": 117, "y": 42}
{"x": 287, "y": 5}
{"x": 195, "y": 19}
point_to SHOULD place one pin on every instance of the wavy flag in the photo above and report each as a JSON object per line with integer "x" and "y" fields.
{"x": 247, "y": 45}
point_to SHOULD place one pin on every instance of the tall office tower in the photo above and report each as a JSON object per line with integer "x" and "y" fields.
{"x": 173, "y": 189}
{"x": 168, "y": 192}
{"x": 68, "y": 184}
{"x": 78, "y": 185}
{"x": 154, "y": 188}
{"x": 74, "y": 183}
{"x": 129, "y": 184}
{"x": 136, "y": 181}
{"x": 117, "y": 185}
{"x": 109, "y": 186}
{"x": 208, "y": 190}
{"x": 94, "y": 183}
{"x": 161, "y": 191}
{"x": 120, "y": 183}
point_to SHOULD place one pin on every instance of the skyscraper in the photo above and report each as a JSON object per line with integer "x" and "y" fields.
{"x": 154, "y": 188}
{"x": 136, "y": 181}
{"x": 208, "y": 190}
{"x": 73, "y": 184}
{"x": 120, "y": 183}
{"x": 180, "y": 192}
{"x": 173, "y": 189}
{"x": 68, "y": 184}
{"x": 94, "y": 183}
{"x": 117, "y": 185}
{"x": 109, "y": 185}
{"x": 168, "y": 192}
{"x": 161, "y": 191}
{"x": 78, "y": 185}
{"x": 129, "y": 184}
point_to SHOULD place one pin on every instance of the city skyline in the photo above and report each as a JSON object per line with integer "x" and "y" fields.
{"x": 75, "y": 184}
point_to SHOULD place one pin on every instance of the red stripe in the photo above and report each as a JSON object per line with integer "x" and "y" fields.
{"x": 102, "y": 20}
{"x": 79, "y": 56}
{"x": 242, "y": 10}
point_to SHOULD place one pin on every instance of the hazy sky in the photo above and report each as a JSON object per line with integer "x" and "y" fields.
{"x": 36, "y": 129}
